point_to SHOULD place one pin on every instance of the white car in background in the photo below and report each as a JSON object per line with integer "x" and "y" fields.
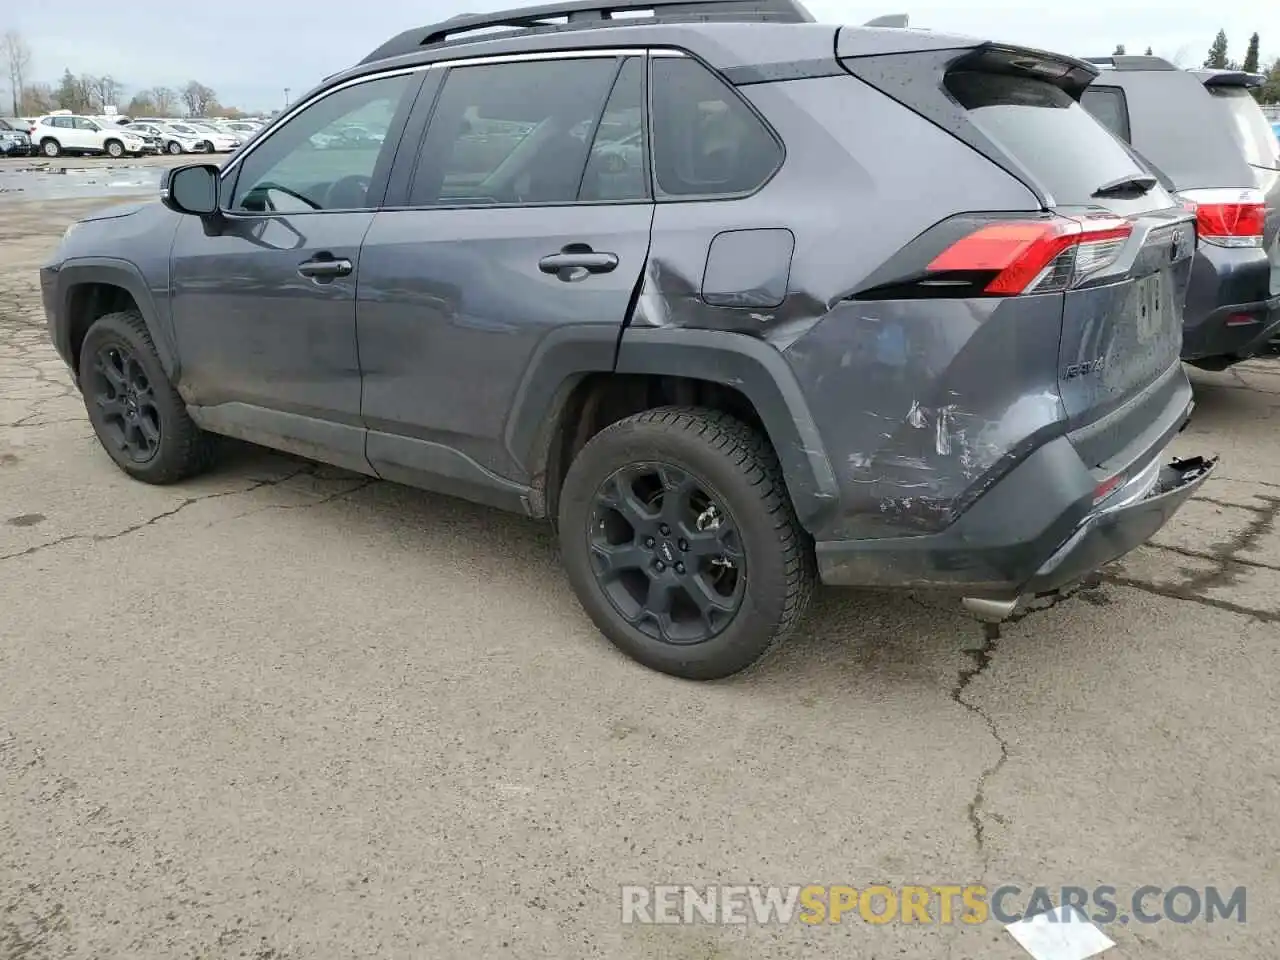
{"x": 219, "y": 141}
{"x": 172, "y": 141}
{"x": 241, "y": 129}
{"x": 67, "y": 133}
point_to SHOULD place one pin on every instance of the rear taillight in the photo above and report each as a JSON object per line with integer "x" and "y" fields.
{"x": 1034, "y": 256}
{"x": 1227, "y": 218}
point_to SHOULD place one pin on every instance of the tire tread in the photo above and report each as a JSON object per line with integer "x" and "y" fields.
{"x": 193, "y": 451}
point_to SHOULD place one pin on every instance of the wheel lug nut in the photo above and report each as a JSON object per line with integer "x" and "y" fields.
{"x": 684, "y": 546}
{"x": 680, "y": 568}
{"x": 649, "y": 542}
{"x": 660, "y": 566}
{"x": 665, "y": 529}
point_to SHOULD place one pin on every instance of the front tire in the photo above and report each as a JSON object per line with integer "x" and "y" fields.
{"x": 174, "y": 148}
{"x": 115, "y": 149}
{"x": 138, "y": 416}
{"x": 680, "y": 540}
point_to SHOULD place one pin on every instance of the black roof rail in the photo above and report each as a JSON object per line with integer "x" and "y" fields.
{"x": 1125, "y": 62}
{"x": 580, "y": 14}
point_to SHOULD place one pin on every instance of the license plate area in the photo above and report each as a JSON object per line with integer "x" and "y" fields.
{"x": 1151, "y": 304}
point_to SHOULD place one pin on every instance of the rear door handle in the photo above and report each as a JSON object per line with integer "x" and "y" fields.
{"x": 325, "y": 268}
{"x": 578, "y": 261}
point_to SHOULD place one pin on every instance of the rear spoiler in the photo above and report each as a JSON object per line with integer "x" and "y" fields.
{"x": 898, "y": 20}
{"x": 1062, "y": 71}
{"x": 1230, "y": 78}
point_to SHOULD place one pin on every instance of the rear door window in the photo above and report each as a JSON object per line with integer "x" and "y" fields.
{"x": 513, "y": 133}
{"x": 1053, "y": 138}
{"x": 1109, "y": 107}
{"x": 1249, "y": 127}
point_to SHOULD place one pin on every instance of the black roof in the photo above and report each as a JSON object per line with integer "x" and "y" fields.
{"x": 586, "y": 14}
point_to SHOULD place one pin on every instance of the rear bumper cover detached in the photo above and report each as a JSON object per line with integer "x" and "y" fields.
{"x": 1113, "y": 532}
{"x": 1031, "y": 553}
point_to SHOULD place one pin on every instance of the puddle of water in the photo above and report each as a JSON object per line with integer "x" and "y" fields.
{"x": 35, "y": 183}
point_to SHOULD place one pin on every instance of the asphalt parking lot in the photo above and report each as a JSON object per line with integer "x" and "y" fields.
{"x": 284, "y": 712}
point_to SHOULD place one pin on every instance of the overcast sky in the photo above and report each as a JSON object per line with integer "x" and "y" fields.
{"x": 250, "y": 50}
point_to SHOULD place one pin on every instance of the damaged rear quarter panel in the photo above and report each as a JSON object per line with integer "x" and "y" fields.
{"x": 917, "y": 404}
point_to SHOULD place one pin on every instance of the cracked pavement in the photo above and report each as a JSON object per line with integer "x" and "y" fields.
{"x": 284, "y": 712}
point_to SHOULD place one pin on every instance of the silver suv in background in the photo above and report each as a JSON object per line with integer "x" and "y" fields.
{"x": 1206, "y": 137}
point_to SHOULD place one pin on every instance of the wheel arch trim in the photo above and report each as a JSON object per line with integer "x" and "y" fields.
{"x": 112, "y": 271}
{"x": 752, "y": 367}
{"x": 757, "y": 370}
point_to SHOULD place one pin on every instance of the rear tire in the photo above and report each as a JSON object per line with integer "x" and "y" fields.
{"x": 138, "y": 416}
{"x": 765, "y": 556}
{"x": 50, "y": 148}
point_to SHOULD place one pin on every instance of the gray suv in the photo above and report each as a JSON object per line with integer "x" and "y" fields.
{"x": 1207, "y": 138}
{"x": 672, "y": 282}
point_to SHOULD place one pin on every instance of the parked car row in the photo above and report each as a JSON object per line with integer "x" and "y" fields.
{"x": 66, "y": 133}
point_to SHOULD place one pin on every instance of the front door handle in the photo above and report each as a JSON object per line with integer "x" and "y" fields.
{"x": 325, "y": 268}
{"x": 578, "y": 261}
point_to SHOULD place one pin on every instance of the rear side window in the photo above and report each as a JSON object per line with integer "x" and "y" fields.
{"x": 1050, "y": 134}
{"x": 1109, "y": 107}
{"x": 1249, "y": 126}
{"x": 706, "y": 141}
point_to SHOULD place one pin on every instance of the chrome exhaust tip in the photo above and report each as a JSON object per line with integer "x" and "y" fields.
{"x": 990, "y": 611}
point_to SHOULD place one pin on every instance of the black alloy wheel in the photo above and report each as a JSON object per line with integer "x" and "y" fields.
{"x": 119, "y": 386}
{"x": 667, "y": 554}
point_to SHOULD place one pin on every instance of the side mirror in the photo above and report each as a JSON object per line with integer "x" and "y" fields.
{"x": 192, "y": 189}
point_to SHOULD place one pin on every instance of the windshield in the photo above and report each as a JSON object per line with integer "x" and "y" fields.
{"x": 1249, "y": 125}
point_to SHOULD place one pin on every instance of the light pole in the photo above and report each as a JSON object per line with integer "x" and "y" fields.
{"x": 286, "y": 98}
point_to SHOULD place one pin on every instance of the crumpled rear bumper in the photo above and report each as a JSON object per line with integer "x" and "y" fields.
{"x": 1113, "y": 532}
{"x": 1032, "y": 534}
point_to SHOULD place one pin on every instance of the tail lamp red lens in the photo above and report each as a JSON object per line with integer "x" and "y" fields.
{"x": 1228, "y": 218}
{"x": 1036, "y": 256}
{"x": 1107, "y": 488}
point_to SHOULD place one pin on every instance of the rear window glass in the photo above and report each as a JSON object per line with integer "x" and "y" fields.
{"x": 1050, "y": 134}
{"x": 1108, "y": 105}
{"x": 1249, "y": 126}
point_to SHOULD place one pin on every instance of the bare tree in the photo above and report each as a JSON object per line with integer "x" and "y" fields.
{"x": 17, "y": 57}
{"x": 89, "y": 93}
{"x": 165, "y": 100}
{"x": 198, "y": 98}
{"x": 110, "y": 89}
{"x": 103, "y": 91}
{"x": 37, "y": 98}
